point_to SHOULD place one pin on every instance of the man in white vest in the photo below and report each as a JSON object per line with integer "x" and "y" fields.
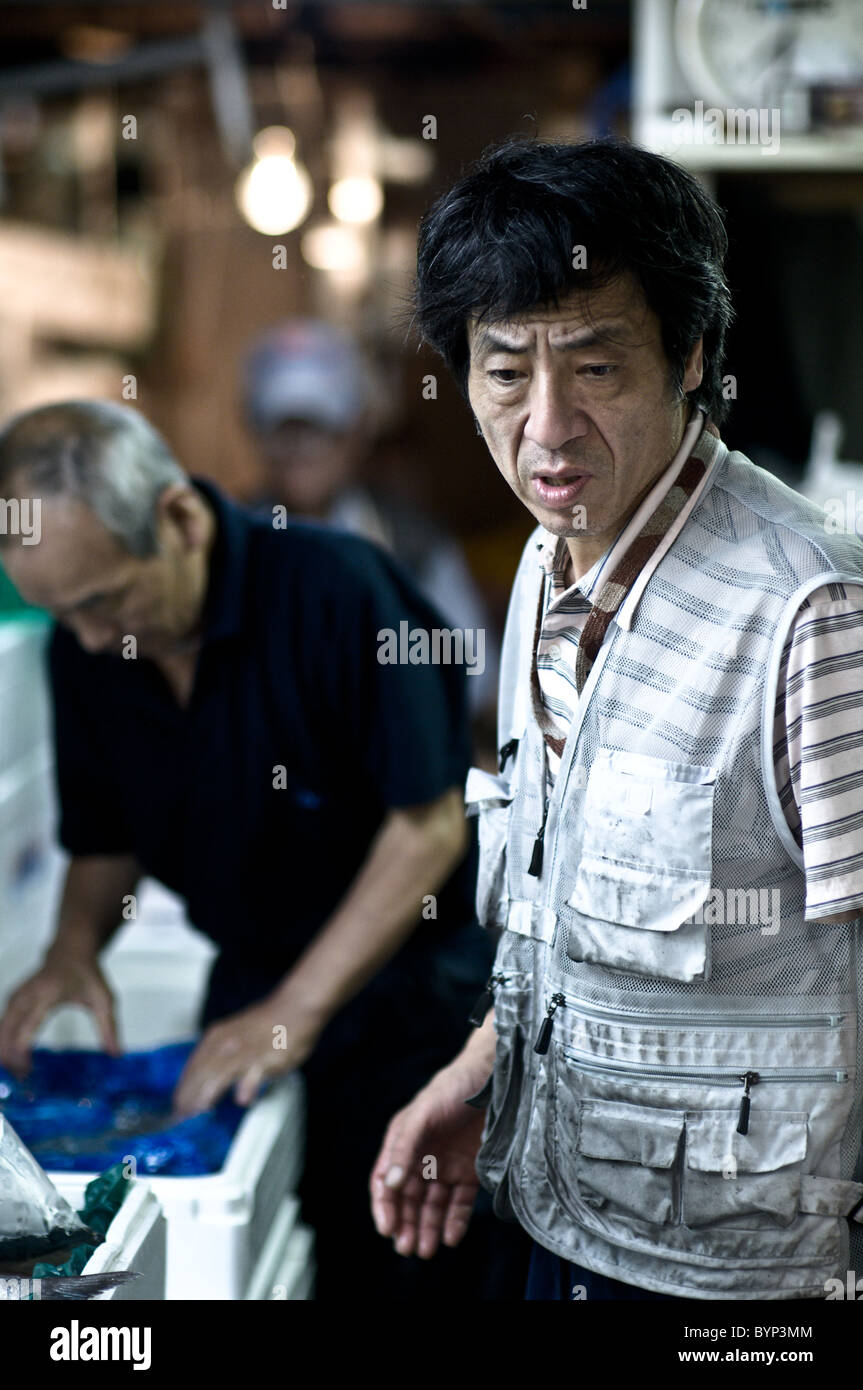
{"x": 665, "y": 1086}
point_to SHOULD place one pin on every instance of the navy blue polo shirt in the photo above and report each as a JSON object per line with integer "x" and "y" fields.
{"x": 288, "y": 677}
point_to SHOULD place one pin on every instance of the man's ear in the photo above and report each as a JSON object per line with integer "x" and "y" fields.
{"x": 694, "y": 369}
{"x": 181, "y": 507}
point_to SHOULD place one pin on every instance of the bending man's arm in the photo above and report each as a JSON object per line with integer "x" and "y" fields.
{"x": 412, "y": 855}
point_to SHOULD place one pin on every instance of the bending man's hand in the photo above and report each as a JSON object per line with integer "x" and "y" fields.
{"x": 242, "y": 1051}
{"x": 439, "y": 1135}
{"x": 62, "y": 979}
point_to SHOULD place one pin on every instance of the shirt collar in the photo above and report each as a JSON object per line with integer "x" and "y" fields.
{"x": 551, "y": 549}
{"x": 224, "y": 606}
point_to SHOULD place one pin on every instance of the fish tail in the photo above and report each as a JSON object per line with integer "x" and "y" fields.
{"x": 82, "y": 1286}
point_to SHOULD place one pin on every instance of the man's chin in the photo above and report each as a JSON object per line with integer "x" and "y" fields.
{"x": 564, "y": 523}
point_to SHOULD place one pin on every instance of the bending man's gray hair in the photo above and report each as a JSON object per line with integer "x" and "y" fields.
{"x": 104, "y": 455}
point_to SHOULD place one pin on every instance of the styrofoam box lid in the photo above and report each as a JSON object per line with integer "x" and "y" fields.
{"x": 31, "y": 768}
{"x": 21, "y": 641}
{"x": 135, "y": 1239}
{"x": 295, "y": 1276}
{"x": 264, "y": 1280}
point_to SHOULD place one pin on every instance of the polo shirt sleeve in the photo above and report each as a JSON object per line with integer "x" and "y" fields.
{"x": 91, "y": 812}
{"x": 819, "y": 748}
{"x": 404, "y": 712}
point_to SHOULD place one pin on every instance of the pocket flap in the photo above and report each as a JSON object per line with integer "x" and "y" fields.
{"x": 637, "y": 897}
{"x": 485, "y": 787}
{"x": 630, "y": 1133}
{"x": 775, "y": 1139}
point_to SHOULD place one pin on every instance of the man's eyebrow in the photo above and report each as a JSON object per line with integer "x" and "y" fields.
{"x": 488, "y": 340}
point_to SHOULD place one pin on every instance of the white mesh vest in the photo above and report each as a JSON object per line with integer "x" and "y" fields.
{"x": 694, "y": 1126}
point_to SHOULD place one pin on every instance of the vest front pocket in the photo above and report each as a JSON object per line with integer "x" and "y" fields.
{"x": 625, "y": 1160}
{"x": 489, "y": 798}
{"x": 645, "y": 867}
{"x": 746, "y": 1181}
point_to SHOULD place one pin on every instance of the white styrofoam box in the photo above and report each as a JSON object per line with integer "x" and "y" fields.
{"x": 297, "y": 1273}
{"x": 25, "y": 706}
{"x": 218, "y": 1225}
{"x": 32, "y": 867}
{"x": 135, "y": 1239}
{"x": 285, "y": 1269}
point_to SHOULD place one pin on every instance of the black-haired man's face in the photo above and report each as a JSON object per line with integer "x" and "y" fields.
{"x": 578, "y": 410}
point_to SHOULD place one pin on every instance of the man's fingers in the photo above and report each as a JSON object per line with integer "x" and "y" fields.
{"x": 247, "y": 1088}
{"x": 411, "y": 1198}
{"x": 392, "y": 1177}
{"x": 432, "y": 1213}
{"x": 202, "y": 1080}
{"x": 402, "y": 1144}
{"x": 102, "y": 1008}
{"x": 459, "y": 1212}
{"x": 23, "y": 1029}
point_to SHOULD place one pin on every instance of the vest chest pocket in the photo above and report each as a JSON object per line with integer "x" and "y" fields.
{"x": 489, "y": 798}
{"x": 625, "y": 1159}
{"x": 749, "y": 1181}
{"x": 645, "y": 866}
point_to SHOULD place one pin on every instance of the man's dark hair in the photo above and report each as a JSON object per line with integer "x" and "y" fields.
{"x": 500, "y": 242}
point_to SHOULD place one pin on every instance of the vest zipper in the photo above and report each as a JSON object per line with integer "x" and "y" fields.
{"x": 544, "y": 1038}
{"x": 477, "y": 1014}
{"x": 712, "y": 1020}
{"x": 535, "y": 865}
{"x": 749, "y": 1079}
{"x": 506, "y": 752}
{"x": 716, "y": 1076}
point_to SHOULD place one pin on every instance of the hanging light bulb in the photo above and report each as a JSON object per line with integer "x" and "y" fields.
{"x": 357, "y": 200}
{"x": 333, "y": 248}
{"x": 274, "y": 192}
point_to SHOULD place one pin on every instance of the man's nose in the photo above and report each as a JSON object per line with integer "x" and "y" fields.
{"x": 93, "y": 637}
{"x": 554, "y": 417}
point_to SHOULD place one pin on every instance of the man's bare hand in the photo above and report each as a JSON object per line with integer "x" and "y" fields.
{"x": 61, "y": 980}
{"x": 242, "y": 1051}
{"x": 439, "y": 1135}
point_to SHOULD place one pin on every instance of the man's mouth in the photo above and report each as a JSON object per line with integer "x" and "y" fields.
{"x": 561, "y": 488}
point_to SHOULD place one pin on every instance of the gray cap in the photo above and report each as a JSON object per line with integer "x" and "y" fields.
{"x": 304, "y": 369}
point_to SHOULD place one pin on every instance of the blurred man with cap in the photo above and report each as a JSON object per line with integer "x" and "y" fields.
{"x": 307, "y": 395}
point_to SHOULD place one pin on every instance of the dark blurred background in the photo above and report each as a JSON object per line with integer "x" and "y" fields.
{"x": 129, "y": 271}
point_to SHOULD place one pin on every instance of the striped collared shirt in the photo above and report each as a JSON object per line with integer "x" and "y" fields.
{"x": 818, "y": 724}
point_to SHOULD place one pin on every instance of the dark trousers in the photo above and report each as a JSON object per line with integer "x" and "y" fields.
{"x": 551, "y": 1278}
{"x": 371, "y": 1060}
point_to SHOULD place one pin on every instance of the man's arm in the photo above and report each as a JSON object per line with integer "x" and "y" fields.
{"x": 91, "y": 907}
{"x": 90, "y": 912}
{"x": 412, "y": 855}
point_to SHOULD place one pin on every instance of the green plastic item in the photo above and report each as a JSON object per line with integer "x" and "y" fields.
{"x": 103, "y": 1198}
{"x": 10, "y": 600}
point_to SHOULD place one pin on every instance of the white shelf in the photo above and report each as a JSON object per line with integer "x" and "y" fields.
{"x": 841, "y": 152}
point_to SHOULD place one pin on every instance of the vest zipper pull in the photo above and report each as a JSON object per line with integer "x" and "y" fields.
{"x": 535, "y": 865}
{"x": 542, "y": 1042}
{"x": 748, "y": 1078}
{"x": 506, "y": 752}
{"x": 476, "y": 1017}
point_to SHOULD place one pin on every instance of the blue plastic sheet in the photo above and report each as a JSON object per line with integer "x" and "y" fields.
{"x": 81, "y": 1112}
